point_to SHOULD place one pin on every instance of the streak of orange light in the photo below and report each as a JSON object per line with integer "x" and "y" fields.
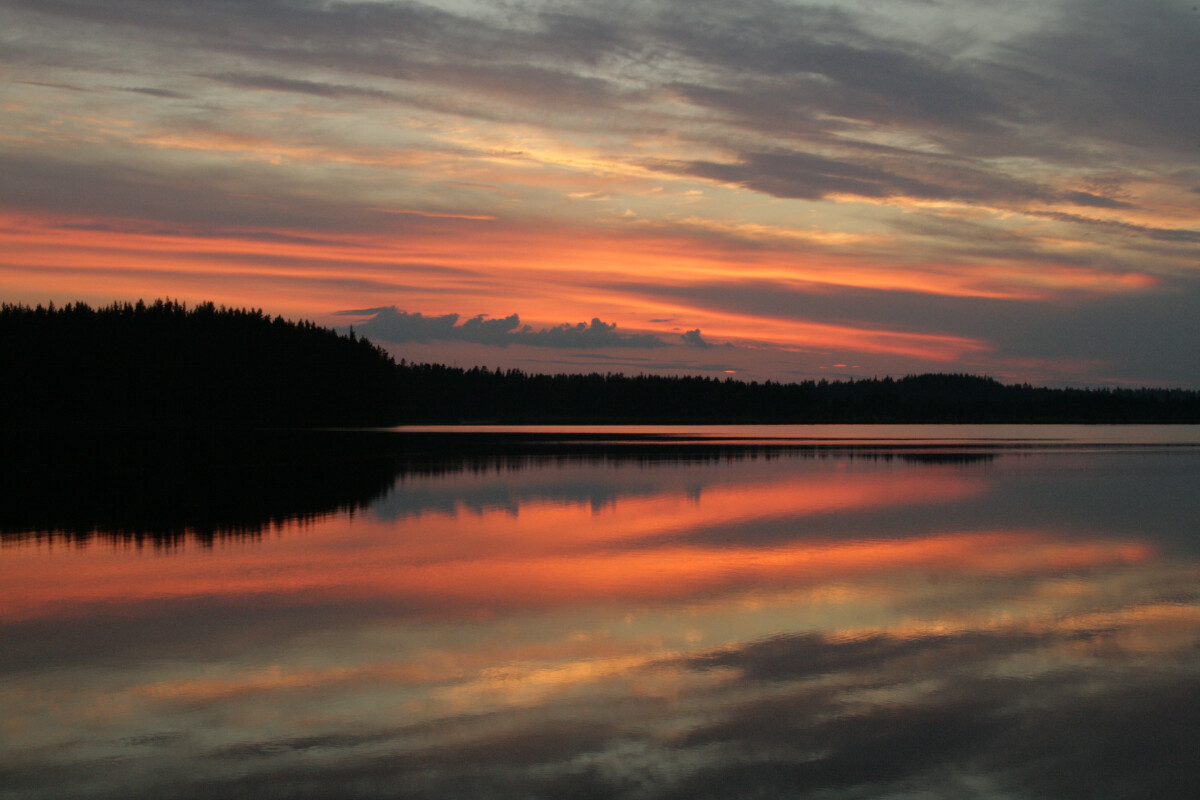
{"x": 544, "y": 569}
{"x": 543, "y": 274}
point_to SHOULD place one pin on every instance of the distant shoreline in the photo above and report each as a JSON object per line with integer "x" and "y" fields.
{"x": 171, "y": 367}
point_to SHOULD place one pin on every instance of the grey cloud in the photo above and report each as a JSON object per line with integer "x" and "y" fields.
{"x": 498, "y": 89}
{"x": 316, "y": 88}
{"x": 582, "y": 37}
{"x": 802, "y": 76}
{"x": 786, "y": 70}
{"x": 1108, "y": 245}
{"x": 784, "y": 111}
{"x": 66, "y": 87}
{"x": 595, "y": 334}
{"x": 166, "y": 193}
{"x": 166, "y": 94}
{"x": 377, "y": 38}
{"x": 807, "y": 176}
{"x": 1098, "y": 69}
{"x": 1109, "y": 70}
{"x": 234, "y": 21}
{"x": 694, "y": 339}
{"x": 392, "y": 325}
{"x": 1094, "y": 200}
{"x": 1147, "y": 334}
{"x": 524, "y": 85}
{"x": 197, "y": 200}
{"x": 1181, "y": 235}
{"x": 824, "y": 60}
{"x": 493, "y": 67}
{"x": 751, "y": 34}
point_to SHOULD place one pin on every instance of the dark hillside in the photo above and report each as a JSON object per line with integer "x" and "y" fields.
{"x": 166, "y": 364}
{"x": 435, "y": 392}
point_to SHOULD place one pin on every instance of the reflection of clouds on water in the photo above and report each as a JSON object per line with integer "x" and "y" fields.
{"x": 599, "y": 482}
{"x": 1045, "y": 733}
{"x": 723, "y": 629}
{"x": 788, "y": 715}
{"x": 1062, "y": 490}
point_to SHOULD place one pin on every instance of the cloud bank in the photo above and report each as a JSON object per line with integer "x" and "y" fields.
{"x": 389, "y": 324}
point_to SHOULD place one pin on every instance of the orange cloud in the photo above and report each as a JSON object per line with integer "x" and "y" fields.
{"x": 444, "y": 261}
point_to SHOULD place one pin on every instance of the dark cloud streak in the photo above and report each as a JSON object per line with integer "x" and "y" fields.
{"x": 807, "y": 176}
{"x": 315, "y": 88}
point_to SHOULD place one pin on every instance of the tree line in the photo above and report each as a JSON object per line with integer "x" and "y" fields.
{"x": 165, "y": 363}
{"x": 441, "y": 393}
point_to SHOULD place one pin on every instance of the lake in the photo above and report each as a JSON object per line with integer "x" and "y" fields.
{"x": 793, "y": 611}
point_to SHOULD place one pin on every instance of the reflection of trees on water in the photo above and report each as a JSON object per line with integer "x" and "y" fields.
{"x": 431, "y": 454}
{"x": 942, "y": 458}
{"x": 167, "y": 486}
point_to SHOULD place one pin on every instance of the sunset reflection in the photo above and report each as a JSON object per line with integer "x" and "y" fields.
{"x": 549, "y": 553}
{"x": 691, "y": 616}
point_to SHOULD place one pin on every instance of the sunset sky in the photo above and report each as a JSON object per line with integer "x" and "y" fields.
{"x": 758, "y": 188}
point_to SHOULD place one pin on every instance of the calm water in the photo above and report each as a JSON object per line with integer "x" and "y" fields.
{"x": 920, "y": 613}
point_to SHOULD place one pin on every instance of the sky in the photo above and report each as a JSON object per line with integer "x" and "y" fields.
{"x": 755, "y": 188}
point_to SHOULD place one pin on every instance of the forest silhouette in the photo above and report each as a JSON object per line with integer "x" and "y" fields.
{"x": 167, "y": 365}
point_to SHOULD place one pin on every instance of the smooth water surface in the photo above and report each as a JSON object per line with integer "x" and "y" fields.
{"x": 854, "y": 435}
{"x": 627, "y": 622}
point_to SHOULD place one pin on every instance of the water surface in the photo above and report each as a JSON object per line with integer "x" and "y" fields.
{"x": 845, "y": 614}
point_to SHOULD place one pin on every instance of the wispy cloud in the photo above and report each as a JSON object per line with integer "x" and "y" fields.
{"x": 277, "y": 84}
